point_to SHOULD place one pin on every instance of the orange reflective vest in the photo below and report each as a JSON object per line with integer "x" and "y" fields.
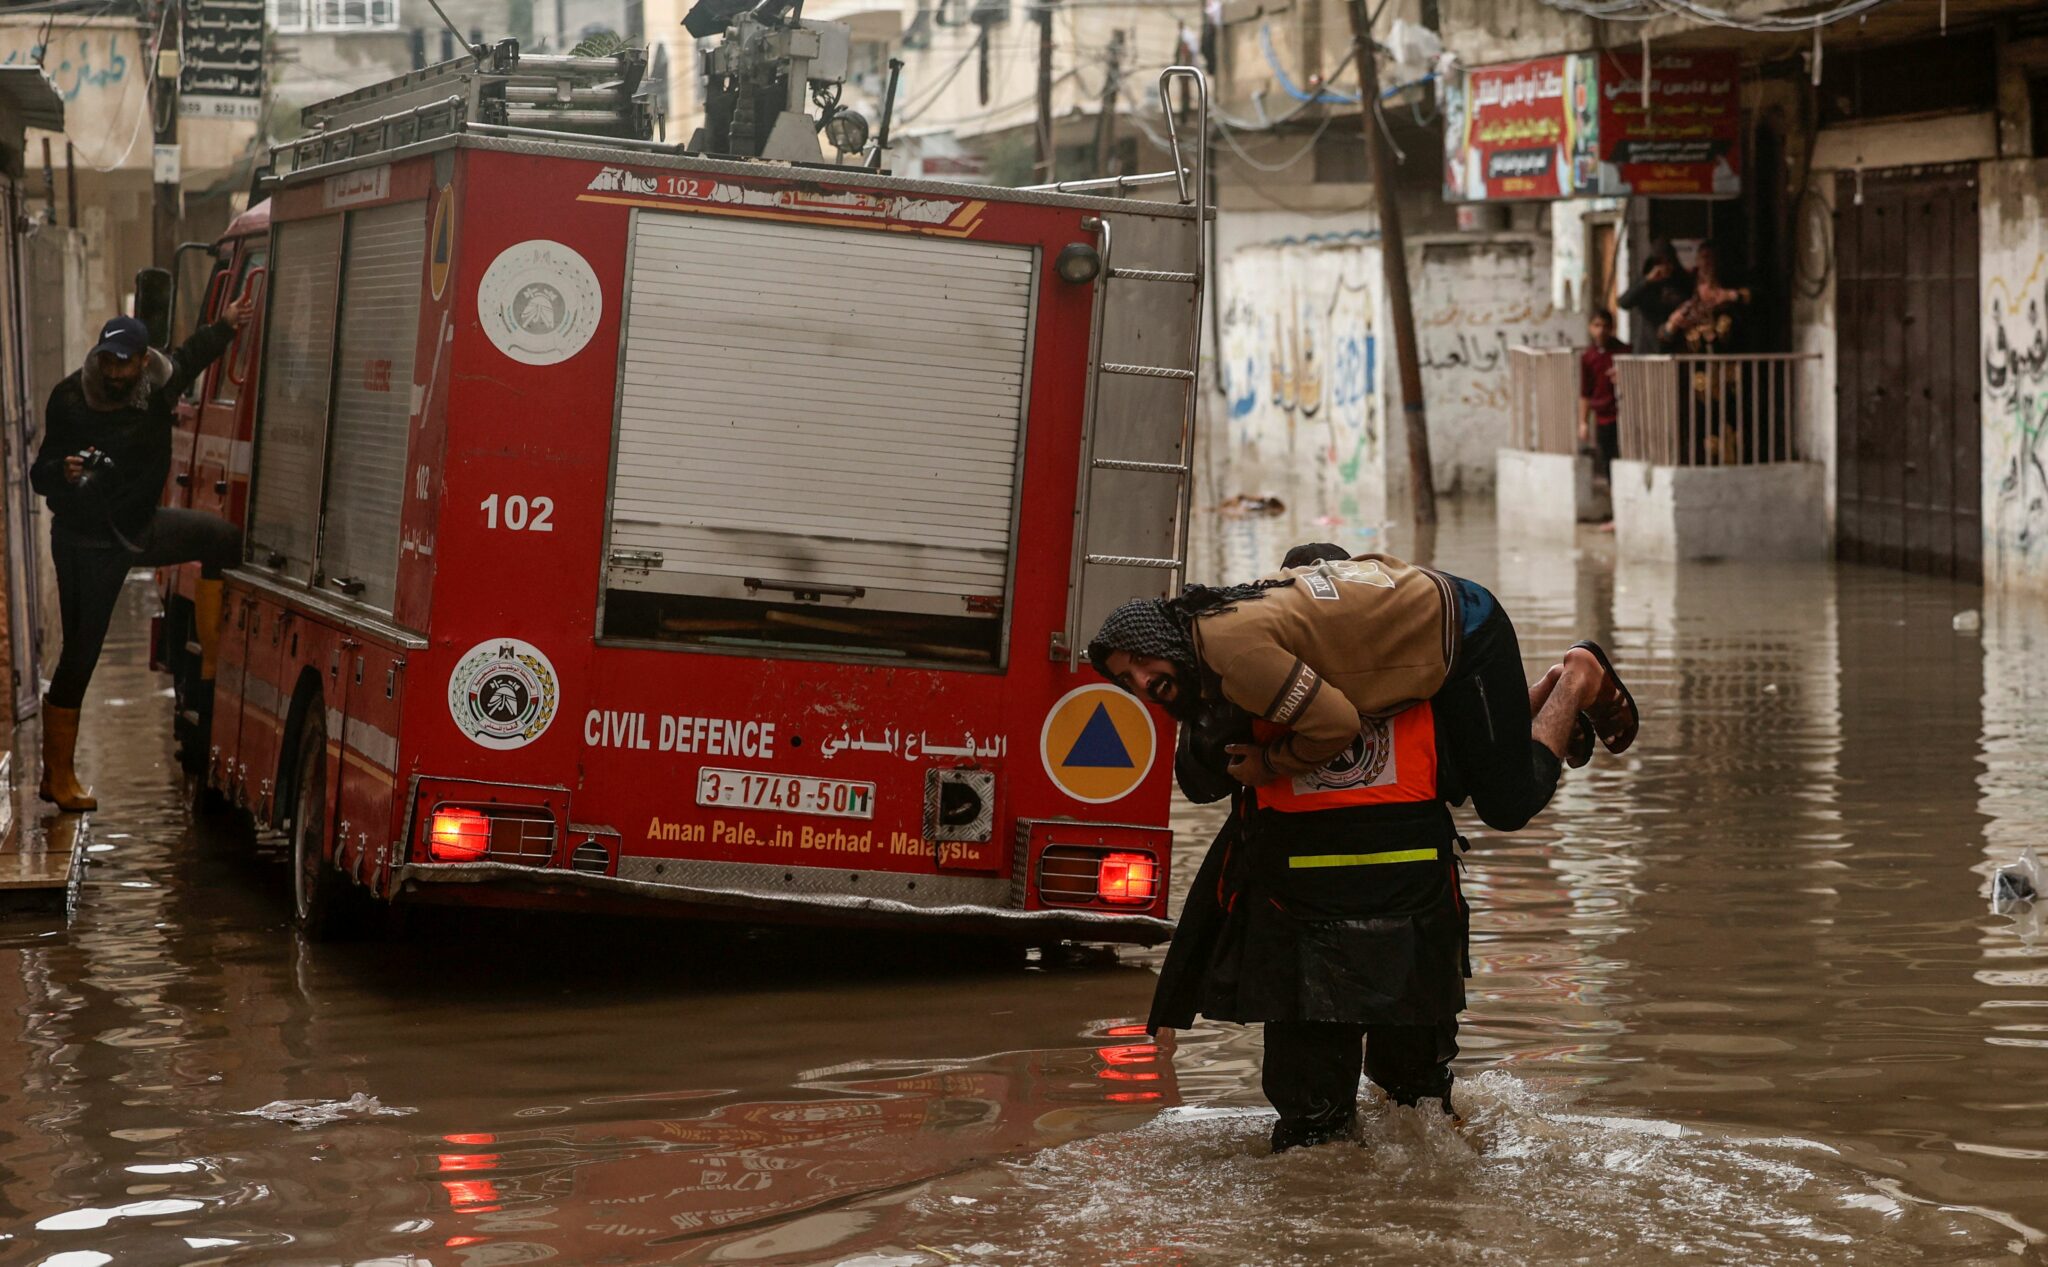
{"x": 1392, "y": 761}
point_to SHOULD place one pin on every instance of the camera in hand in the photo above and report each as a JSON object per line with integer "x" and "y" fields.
{"x": 95, "y": 465}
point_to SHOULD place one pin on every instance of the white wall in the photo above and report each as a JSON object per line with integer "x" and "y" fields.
{"x": 1476, "y": 297}
{"x": 2013, "y": 283}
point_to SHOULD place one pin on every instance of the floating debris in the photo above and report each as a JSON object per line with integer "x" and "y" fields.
{"x": 2015, "y": 885}
{"x": 304, "y": 1113}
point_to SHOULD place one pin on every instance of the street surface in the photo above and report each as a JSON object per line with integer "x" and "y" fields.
{"x": 1739, "y": 998}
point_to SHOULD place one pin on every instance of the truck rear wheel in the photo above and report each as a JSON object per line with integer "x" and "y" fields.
{"x": 325, "y": 905}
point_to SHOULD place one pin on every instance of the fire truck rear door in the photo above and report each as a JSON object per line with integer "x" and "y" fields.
{"x": 821, "y": 410}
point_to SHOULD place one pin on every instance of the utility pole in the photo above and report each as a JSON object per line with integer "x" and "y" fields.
{"x": 1047, "y": 156}
{"x": 1394, "y": 269}
{"x": 165, "y": 158}
{"x": 1105, "y": 124}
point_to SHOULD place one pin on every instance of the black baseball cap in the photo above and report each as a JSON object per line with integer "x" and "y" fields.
{"x": 123, "y": 338}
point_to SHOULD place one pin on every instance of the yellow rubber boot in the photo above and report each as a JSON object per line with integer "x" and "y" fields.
{"x": 206, "y": 623}
{"x": 60, "y": 780}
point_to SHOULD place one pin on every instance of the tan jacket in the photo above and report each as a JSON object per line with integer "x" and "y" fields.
{"x": 1365, "y": 637}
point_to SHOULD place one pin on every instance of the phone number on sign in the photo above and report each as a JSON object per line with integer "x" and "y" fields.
{"x": 744, "y": 789}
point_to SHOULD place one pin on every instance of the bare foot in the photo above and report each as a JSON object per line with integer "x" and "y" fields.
{"x": 1539, "y": 694}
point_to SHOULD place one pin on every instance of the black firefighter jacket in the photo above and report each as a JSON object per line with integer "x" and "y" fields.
{"x": 1350, "y": 913}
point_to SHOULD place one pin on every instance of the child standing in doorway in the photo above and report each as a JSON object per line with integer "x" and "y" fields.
{"x": 1599, "y": 410}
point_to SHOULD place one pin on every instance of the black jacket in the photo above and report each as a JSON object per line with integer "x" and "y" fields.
{"x": 1260, "y": 941}
{"x": 135, "y": 434}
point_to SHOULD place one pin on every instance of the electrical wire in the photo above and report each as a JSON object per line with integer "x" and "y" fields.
{"x": 910, "y": 112}
{"x": 1226, "y": 132}
{"x": 1768, "y": 23}
{"x": 1652, "y": 10}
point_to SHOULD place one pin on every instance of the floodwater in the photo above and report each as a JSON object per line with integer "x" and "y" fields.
{"x": 1739, "y": 998}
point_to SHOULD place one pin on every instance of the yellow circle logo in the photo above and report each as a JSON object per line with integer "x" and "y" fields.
{"x": 1097, "y": 743}
{"x": 442, "y": 257}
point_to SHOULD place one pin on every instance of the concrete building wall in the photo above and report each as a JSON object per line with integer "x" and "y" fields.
{"x": 2014, "y": 289}
{"x": 1475, "y": 298}
{"x": 1303, "y": 385}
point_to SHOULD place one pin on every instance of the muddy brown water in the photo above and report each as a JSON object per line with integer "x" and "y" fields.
{"x": 1740, "y": 998}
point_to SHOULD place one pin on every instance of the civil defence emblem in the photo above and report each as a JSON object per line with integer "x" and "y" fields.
{"x": 503, "y": 693}
{"x": 539, "y": 302}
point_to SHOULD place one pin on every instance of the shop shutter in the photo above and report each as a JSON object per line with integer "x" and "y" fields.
{"x": 817, "y": 407}
{"x": 380, "y": 312}
{"x": 298, "y": 369}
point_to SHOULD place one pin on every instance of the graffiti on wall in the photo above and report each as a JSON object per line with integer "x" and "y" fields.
{"x": 97, "y": 71}
{"x": 1299, "y": 358}
{"x": 2016, "y": 407}
{"x": 1477, "y": 300}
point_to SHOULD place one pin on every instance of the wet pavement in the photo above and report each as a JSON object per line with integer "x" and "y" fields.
{"x": 1739, "y": 998}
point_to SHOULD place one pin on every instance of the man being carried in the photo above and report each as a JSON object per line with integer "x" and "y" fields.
{"x": 1329, "y": 910}
{"x": 1319, "y": 649}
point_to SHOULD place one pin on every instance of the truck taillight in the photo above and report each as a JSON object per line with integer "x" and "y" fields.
{"x": 1128, "y": 879}
{"x": 458, "y": 835}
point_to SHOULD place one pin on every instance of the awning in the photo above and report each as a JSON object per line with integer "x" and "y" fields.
{"x": 28, "y": 93}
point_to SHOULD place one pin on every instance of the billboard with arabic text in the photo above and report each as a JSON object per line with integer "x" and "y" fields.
{"x": 1581, "y": 125}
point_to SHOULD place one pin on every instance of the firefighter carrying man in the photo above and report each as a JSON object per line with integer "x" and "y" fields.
{"x": 1347, "y": 700}
{"x": 105, "y": 454}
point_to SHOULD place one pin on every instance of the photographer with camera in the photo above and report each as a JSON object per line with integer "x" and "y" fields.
{"x": 105, "y": 455}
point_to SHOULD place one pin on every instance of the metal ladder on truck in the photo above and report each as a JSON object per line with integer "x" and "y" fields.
{"x": 1097, "y": 555}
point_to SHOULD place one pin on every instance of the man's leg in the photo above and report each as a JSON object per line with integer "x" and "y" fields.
{"x": 1311, "y": 1077}
{"x": 88, "y": 588}
{"x": 188, "y": 536}
{"x": 89, "y": 582}
{"x": 1510, "y": 761}
{"x": 1412, "y": 1063}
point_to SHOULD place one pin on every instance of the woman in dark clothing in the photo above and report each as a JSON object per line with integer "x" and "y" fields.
{"x": 1712, "y": 321}
{"x": 1664, "y": 287}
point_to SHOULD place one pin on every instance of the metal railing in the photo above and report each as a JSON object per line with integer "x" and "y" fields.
{"x": 1544, "y": 388}
{"x": 1710, "y": 410}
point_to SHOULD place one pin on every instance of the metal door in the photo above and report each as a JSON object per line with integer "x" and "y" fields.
{"x": 1908, "y": 444}
{"x": 826, "y": 411}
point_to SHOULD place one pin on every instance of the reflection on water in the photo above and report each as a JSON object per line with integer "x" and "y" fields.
{"x": 1739, "y": 998}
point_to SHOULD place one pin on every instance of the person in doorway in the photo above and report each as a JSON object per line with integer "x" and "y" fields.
{"x": 1599, "y": 404}
{"x": 1665, "y": 285}
{"x": 104, "y": 457}
{"x": 1329, "y": 910}
{"x": 1711, "y": 322}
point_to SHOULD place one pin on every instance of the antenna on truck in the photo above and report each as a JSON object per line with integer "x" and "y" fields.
{"x": 477, "y": 51}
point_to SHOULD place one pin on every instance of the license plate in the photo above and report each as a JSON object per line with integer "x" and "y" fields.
{"x": 786, "y": 793}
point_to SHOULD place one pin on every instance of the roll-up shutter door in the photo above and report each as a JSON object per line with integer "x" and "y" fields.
{"x": 298, "y": 368}
{"x": 380, "y": 312}
{"x": 809, "y": 407}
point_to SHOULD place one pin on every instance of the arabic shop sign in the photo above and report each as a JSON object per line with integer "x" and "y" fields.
{"x": 222, "y": 73}
{"x": 1578, "y": 125}
{"x": 1511, "y": 131}
{"x": 1688, "y": 141}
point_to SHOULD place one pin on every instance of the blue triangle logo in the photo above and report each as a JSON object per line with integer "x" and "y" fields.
{"x": 1098, "y": 746}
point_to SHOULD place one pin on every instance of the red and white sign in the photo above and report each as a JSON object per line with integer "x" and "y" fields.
{"x": 349, "y": 189}
{"x": 1512, "y": 138}
{"x": 1686, "y": 141}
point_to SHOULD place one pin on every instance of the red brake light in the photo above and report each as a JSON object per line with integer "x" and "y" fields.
{"x": 458, "y": 835}
{"x": 1129, "y": 879}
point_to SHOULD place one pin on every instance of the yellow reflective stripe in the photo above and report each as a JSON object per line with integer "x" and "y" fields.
{"x": 1362, "y": 859}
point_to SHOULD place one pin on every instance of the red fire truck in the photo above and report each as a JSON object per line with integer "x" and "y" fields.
{"x": 629, "y": 528}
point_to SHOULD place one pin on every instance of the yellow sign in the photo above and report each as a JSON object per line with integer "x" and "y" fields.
{"x": 1097, "y": 744}
{"x": 442, "y": 253}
